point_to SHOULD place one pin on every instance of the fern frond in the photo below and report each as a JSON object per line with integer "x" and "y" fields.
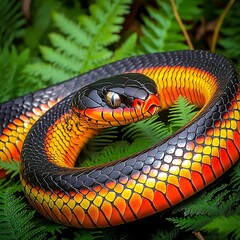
{"x": 85, "y": 234}
{"x": 16, "y": 221}
{"x": 190, "y": 223}
{"x": 161, "y": 31}
{"x": 86, "y": 41}
{"x": 11, "y": 79}
{"x": 225, "y": 225}
{"x": 126, "y": 49}
{"x": 12, "y": 22}
{"x": 149, "y": 130}
{"x": 11, "y": 167}
{"x": 166, "y": 234}
{"x": 181, "y": 113}
{"x": 230, "y": 34}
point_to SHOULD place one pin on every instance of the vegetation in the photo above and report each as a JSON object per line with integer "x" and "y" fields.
{"x": 50, "y": 41}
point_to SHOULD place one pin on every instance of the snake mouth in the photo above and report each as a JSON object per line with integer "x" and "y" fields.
{"x": 152, "y": 104}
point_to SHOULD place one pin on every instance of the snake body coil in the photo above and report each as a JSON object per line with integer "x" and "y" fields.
{"x": 143, "y": 184}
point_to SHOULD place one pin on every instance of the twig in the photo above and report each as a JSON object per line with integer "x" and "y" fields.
{"x": 174, "y": 7}
{"x": 198, "y": 235}
{"x": 219, "y": 24}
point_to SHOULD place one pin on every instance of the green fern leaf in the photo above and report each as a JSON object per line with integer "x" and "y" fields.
{"x": 230, "y": 34}
{"x": 190, "y": 223}
{"x": 11, "y": 167}
{"x": 149, "y": 130}
{"x": 161, "y": 32}
{"x": 86, "y": 42}
{"x": 126, "y": 49}
{"x": 225, "y": 225}
{"x": 16, "y": 221}
{"x": 11, "y": 79}
{"x": 181, "y": 113}
{"x": 12, "y": 22}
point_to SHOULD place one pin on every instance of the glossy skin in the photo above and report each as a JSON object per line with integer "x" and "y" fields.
{"x": 147, "y": 182}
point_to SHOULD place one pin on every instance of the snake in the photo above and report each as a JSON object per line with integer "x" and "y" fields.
{"x": 45, "y": 131}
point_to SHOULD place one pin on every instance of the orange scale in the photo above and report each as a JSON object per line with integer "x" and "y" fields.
{"x": 95, "y": 113}
{"x": 142, "y": 178}
{"x": 108, "y": 116}
{"x": 3, "y": 138}
{"x": 39, "y": 208}
{"x": 118, "y": 188}
{"x": 57, "y": 213}
{"x": 186, "y": 187}
{"x": 7, "y": 131}
{"x": 47, "y": 210}
{"x": 160, "y": 202}
{"x": 84, "y": 191}
{"x": 12, "y": 126}
{"x": 236, "y": 137}
{"x": 120, "y": 204}
{"x": 79, "y": 212}
{"x": 197, "y": 180}
{"x": 18, "y": 122}
{"x": 118, "y": 114}
{"x": 207, "y": 173}
{"x": 24, "y": 118}
{"x": 135, "y": 202}
{"x": 131, "y": 183}
{"x": 87, "y": 223}
{"x": 93, "y": 212}
{"x": 102, "y": 222}
{"x": 173, "y": 195}
{"x": 107, "y": 209}
{"x": 90, "y": 196}
{"x": 233, "y": 151}
{"x": 200, "y": 139}
{"x": 217, "y": 167}
{"x": 210, "y": 132}
{"x": 146, "y": 209}
{"x": 198, "y": 149}
{"x": 110, "y": 184}
{"x": 148, "y": 194}
{"x": 225, "y": 160}
{"x": 116, "y": 218}
{"x": 190, "y": 146}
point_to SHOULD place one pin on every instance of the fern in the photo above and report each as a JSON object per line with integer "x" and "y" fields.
{"x": 17, "y": 222}
{"x": 11, "y": 78}
{"x": 80, "y": 46}
{"x": 147, "y": 130}
{"x": 190, "y": 223}
{"x": 161, "y": 31}
{"x": 11, "y": 167}
{"x": 225, "y": 226}
{"x": 181, "y": 113}
{"x": 230, "y": 34}
{"x": 12, "y": 22}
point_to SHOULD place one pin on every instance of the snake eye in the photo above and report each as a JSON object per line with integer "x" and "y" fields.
{"x": 113, "y": 100}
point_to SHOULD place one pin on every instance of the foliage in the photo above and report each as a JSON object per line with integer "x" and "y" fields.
{"x": 61, "y": 39}
{"x": 12, "y": 22}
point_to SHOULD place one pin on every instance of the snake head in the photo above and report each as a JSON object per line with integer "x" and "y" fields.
{"x": 117, "y": 100}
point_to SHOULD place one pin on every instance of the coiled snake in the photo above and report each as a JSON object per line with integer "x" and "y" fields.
{"x": 140, "y": 185}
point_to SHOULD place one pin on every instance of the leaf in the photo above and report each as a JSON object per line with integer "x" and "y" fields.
{"x": 16, "y": 221}
{"x": 181, "y": 113}
{"x": 12, "y": 22}
{"x": 80, "y": 46}
{"x": 12, "y": 167}
{"x": 225, "y": 225}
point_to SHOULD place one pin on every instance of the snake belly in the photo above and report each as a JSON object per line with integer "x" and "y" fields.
{"x": 145, "y": 183}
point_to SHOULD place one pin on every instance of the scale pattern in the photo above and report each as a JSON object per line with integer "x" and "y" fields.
{"x": 150, "y": 181}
